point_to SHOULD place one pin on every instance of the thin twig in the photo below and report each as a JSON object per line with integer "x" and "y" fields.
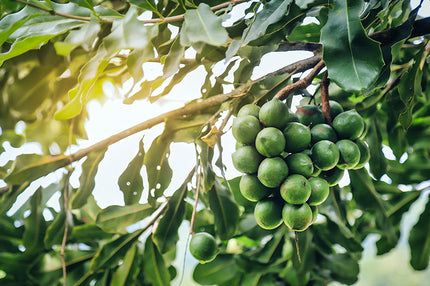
{"x": 53, "y": 12}
{"x": 66, "y": 208}
{"x": 325, "y": 82}
{"x": 225, "y": 120}
{"x": 296, "y": 239}
{"x": 66, "y": 226}
{"x": 109, "y": 21}
{"x": 301, "y": 84}
{"x": 193, "y": 216}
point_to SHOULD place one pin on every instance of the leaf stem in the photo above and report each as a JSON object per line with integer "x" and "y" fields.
{"x": 325, "y": 82}
{"x": 53, "y": 12}
{"x": 296, "y": 239}
{"x": 66, "y": 226}
{"x": 193, "y": 216}
{"x": 109, "y": 21}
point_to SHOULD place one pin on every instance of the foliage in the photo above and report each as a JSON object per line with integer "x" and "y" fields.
{"x": 56, "y": 56}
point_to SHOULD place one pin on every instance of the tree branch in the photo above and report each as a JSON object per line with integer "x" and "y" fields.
{"x": 301, "y": 84}
{"x": 149, "y": 21}
{"x": 198, "y": 106}
{"x": 53, "y": 12}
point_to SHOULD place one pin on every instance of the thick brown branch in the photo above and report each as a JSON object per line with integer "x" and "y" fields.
{"x": 301, "y": 84}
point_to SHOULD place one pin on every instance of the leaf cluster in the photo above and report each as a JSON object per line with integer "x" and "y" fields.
{"x": 56, "y": 56}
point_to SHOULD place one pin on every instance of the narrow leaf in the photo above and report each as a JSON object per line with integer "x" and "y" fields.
{"x": 114, "y": 250}
{"x": 55, "y": 231}
{"x": 29, "y": 167}
{"x": 130, "y": 182}
{"x": 410, "y": 88}
{"x": 419, "y": 241}
{"x": 219, "y": 270}
{"x": 127, "y": 33}
{"x": 343, "y": 266}
{"x": 353, "y": 60}
{"x": 202, "y": 25}
{"x": 173, "y": 59}
{"x": 271, "y": 13}
{"x": 377, "y": 162}
{"x": 116, "y": 219}
{"x": 154, "y": 266}
{"x": 166, "y": 234}
{"x": 364, "y": 191}
{"x": 146, "y": 4}
{"x": 225, "y": 210}
{"x": 11, "y": 22}
{"x": 158, "y": 168}
{"x": 34, "y": 225}
{"x": 127, "y": 272}
{"x": 87, "y": 179}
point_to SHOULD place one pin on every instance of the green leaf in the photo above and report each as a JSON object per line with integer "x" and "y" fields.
{"x": 157, "y": 168}
{"x": 55, "y": 231}
{"x": 136, "y": 59}
{"x": 410, "y": 87}
{"x": 35, "y": 225}
{"x": 87, "y": 178}
{"x": 185, "y": 129}
{"x": 307, "y": 33}
{"x": 343, "y": 266}
{"x": 116, "y": 219}
{"x": 177, "y": 78}
{"x": 364, "y": 191}
{"x": 147, "y": 5}
{"x": 419, "y": 240}
{"x": 29, "y": 167}
{"x": 166, "y": 235}
{"x": 114, "y": 250}
{"x": 48, "y": 192}
{"x": 127, "y": 272}
{"x": 89, "y": 232}
{"x": 173, "y": 59}
{"x": 398, "y": 141}
{"x": 11, "y": 22}
{"x": 377, "y": 162}
{"x": 32, "y": 32}
{"x": 202, "y": 25}
{"x": 353, "y": 60}
{"x": 130, "y": 182}
{"x": 84, "y": 37}
{"x": 271, "y": 13}
{"x": 127, "y": 33}
{"x": 220, "y": 270}
{"x": 225, "y": 210}
{"x": 8, "y": 199}
{"x": 154, "y": 267}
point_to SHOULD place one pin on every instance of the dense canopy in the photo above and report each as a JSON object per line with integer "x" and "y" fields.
{"x": 372, "y": 57}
